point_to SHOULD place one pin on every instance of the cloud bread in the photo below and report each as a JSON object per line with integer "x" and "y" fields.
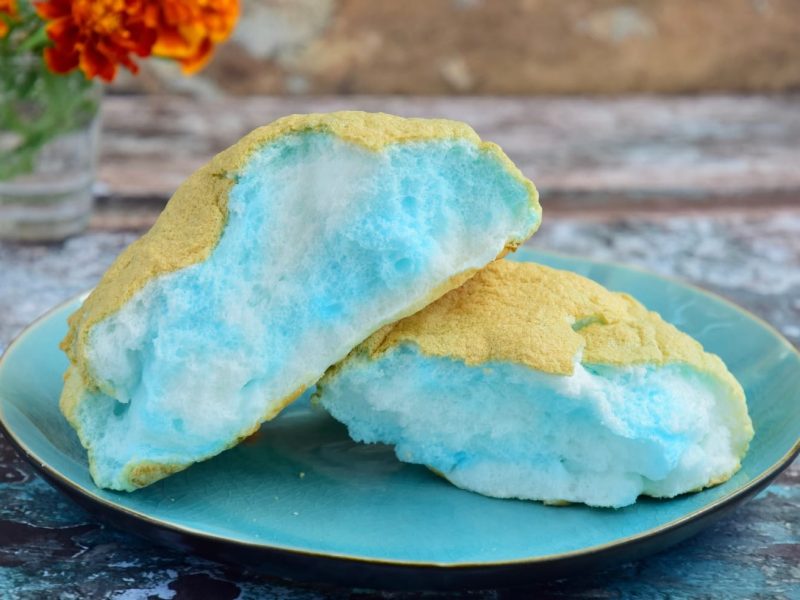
{"x": 530, "y": 382}
{"x": 266, "y": 267}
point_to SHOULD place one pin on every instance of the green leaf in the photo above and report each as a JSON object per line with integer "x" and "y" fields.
{"x": 37, "y": 106}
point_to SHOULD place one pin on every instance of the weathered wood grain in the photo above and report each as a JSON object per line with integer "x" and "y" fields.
{"x": 630, "y": 150}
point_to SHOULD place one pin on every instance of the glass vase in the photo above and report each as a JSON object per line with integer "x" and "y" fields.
{"x": 49, "y": 135}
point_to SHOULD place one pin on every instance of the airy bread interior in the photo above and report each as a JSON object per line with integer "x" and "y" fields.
{"x": 325, "y": 241}
{"x": 601, "y": 436}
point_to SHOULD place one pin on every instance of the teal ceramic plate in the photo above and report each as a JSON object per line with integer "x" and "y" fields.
{"x": 301, "y": 500}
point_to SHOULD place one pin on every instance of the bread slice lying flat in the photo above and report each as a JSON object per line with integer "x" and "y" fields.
{"x": 270, "y": 264}
{"x": 529, "y": 382}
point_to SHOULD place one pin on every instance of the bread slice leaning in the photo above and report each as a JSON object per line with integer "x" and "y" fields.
{"x": 268, "y": 265}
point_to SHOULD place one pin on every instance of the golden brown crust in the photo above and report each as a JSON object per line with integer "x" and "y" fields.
{"x": 145, "y": 473}
{"x": 544, "y": 318}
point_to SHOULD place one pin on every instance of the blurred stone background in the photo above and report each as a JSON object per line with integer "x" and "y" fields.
{"x": 498, "y": 47}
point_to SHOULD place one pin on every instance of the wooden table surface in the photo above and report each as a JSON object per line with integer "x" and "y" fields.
{"x": 705, "y": 189}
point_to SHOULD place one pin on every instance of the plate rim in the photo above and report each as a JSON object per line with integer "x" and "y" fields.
{"x": 752, "y": 486}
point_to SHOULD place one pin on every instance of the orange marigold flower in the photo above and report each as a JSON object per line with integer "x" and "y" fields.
{"x": 189, "y": 29}
{"x": 8, "y": 8}
{"x": 96, "y": 35}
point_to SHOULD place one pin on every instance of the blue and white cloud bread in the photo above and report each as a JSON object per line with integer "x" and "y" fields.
{"x": 268, "y": 265}
{"x": 529, "y": 382}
